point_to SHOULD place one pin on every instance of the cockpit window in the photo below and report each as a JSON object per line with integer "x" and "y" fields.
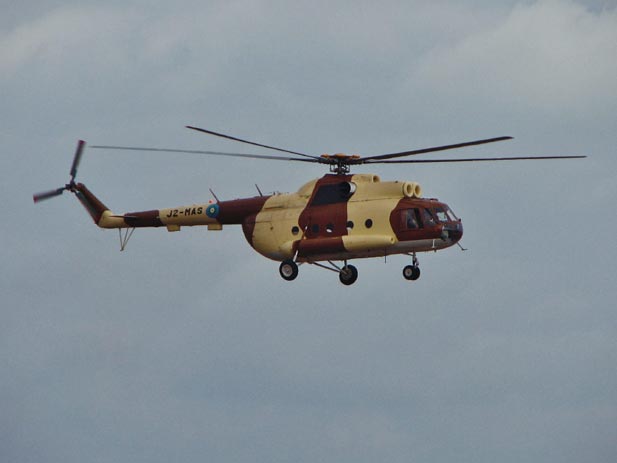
{"x": 451, "y": 214}
{"x": 427, "y": 218}
{"x": 412, "y": 219}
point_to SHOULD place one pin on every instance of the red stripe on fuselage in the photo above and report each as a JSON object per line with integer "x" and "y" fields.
{"x": 326, "y": 217}
{"x": 237, "y": 210}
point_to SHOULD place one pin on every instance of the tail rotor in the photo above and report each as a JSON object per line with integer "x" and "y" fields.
{"x": 42, "y": 196}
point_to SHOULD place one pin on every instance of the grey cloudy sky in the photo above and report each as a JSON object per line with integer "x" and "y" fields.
{"x": 189, "y": 346}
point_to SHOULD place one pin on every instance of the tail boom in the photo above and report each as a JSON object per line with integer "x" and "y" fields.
{"x": 214, "y": 215}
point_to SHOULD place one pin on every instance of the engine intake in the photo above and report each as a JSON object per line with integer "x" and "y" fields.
{"x": 412, "y": 190}
{"x": 347, "y": 189}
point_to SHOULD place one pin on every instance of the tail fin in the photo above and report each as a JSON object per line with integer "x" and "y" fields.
{"x": 93, "y": 205}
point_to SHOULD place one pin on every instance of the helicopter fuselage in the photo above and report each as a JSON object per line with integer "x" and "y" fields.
{"x": 335, "y": 217}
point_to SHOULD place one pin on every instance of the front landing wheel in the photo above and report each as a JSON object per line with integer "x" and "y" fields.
{"x": 348, "y": 275}
{"x": 411, "y": 272}
{"x": 288, "y": 270}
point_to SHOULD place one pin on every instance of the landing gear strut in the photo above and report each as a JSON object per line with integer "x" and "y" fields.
{"x": 348, "y": 274}
{"x": 288, "y": 270}
{"x": 412, "y": 272}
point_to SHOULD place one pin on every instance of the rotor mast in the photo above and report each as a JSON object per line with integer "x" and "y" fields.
{"x": 340, "y": 164}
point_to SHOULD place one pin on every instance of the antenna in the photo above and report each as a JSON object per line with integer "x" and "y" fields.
{"x": 213, "y": 194}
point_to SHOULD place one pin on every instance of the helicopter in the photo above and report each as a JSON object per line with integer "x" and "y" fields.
{"x": 326, "y": 222}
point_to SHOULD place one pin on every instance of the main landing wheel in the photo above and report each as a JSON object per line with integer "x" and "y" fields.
{"x": 348, "y": 275}
{"x": 288, "y": 270}
{"x": 411, "y": 272}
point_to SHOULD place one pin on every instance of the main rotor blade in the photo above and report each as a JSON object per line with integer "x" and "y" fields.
{"x": 77, "y": 158}
{"x": 437, "y": 148}
{"x": 214, "y": 153}
{"x": 38, "y": 197}
{"x": 229, "y": 137}
{"x": 512, "y": 158}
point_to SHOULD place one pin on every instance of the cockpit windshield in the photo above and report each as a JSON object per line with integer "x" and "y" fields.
{"x": 445, "y": 214}
{"x": 441, "y": 215}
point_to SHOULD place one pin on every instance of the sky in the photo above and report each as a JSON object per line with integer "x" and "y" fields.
{"x": 189, "y": 346}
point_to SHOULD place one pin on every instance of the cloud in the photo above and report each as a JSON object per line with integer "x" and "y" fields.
{"x": 64, "y": 36}
{"x": 551, "y": 56}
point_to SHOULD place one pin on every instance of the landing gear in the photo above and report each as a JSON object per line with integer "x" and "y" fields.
{"x": 348, "y": 275}
{"x": 288, "y": 270}
{"x": 412, "y": 272}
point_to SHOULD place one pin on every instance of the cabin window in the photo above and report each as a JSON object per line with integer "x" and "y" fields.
{"x": 349, "y": 225}
{"x": 330, "y": 228}
{"x": 295, "y": 230}
{"x": 315, "y": 228}
{"x": 368, "y": 223}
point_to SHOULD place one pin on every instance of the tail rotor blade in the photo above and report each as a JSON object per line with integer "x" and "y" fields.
{"x": 77, "y": 158}
{"x": 38, "y": 197}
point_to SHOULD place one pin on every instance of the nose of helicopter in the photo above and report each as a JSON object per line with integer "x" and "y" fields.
{"x": 455, "y": 231}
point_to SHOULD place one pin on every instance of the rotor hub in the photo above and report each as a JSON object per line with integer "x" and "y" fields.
{"x": 340, "y": 163}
